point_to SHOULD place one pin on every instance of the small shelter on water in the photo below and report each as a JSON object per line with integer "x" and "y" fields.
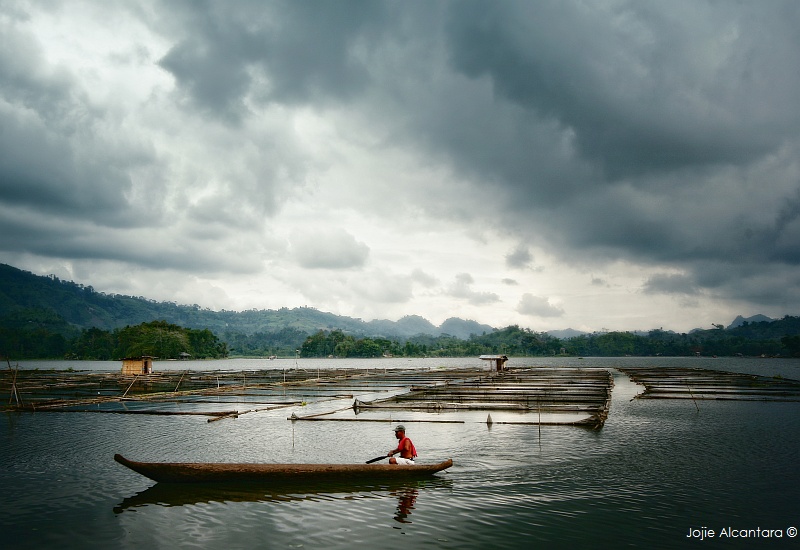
{"x": 137, "y": 365}
{"x": 496, "y": 362}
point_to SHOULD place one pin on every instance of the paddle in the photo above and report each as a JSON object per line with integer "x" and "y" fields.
{"x": 376, "y": 459}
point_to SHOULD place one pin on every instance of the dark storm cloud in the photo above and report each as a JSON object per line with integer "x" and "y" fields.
{"x": 664, "y": 283}
{"x": 519, "y": 258}
{"x": 21, "y": 231}
{"x": 44, "y": 168}
{"x": 773, "y": 285}
{"x": 288, "y": 52}
{"x": 53, "y": 154}
{"x": 661, "y": 134}
{"x": 77, "y": 170}
{"x": 642, "y": 88}
{"x": 642, "y": 132}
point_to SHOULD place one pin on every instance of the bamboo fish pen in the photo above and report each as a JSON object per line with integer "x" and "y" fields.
{"x": 569, "y": 392}
{"x": 707, "y": 384}
{"x": 37, "y": 390}
{"x": 548, "y": 390}
{"x": 529, "y": 395}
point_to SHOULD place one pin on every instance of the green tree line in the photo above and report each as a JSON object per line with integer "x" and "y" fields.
{"x": 511, "y": 340}
{"x": 264, "y": 343}
{"x": 520, "y": 342}
{"x": 38, "y": 334}
{"x": 156, "y": 338}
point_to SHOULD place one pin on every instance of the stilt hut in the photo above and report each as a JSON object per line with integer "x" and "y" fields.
{"x": 496, "y": 362}
{"x": 137, "y": 365}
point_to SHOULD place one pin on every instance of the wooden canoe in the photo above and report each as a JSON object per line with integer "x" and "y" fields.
{"x": 205, "y": 472}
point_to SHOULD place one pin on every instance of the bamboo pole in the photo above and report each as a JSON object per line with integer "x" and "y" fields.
{"x": 237, "y": 414}
{"x": 179, "y": 381}
{"x": 234, "y": 414}
{"x": 129, "y": 387}
{"x": 144, "y": 412}
{"x": 13, "y": 393}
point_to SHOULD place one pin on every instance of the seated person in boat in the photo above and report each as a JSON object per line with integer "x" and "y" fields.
{"x": 405, "y": 447}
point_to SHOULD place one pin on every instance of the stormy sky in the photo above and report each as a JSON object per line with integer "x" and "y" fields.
{"x": 614, "y": 165}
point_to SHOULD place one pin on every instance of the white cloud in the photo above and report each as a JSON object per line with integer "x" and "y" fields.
{"x": 424, "y": 279}
{"x": 331, "y": 249}
{"x": 462, "y": 288}
{"x": 538, "y": 306}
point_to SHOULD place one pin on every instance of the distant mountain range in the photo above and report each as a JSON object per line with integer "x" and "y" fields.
{"x": 565, "y": 333}
{"x": 27, "y": 299}
{"x": 739, "y": 321}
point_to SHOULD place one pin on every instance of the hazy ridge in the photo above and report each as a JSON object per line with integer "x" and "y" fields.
{"x": 27, "y": 298}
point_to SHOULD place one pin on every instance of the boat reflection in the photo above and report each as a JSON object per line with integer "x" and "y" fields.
{"x": 179, "y": 494}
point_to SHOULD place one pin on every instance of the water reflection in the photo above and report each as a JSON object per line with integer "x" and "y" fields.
{"x": 655, "y": 469}
{"x": 176, "y": 494}
{"x": 406, "y": 498}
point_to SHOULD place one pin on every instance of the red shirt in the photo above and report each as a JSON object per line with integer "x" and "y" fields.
{"x": 401, "y": 447}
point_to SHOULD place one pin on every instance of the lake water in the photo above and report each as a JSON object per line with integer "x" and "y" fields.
{"x": 656, "y": 470}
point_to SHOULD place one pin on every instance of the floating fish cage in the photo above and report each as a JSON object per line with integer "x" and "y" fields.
{"x": 543, "y": 391}
{"x": 707, "y": 384}
{"x": 541, "y": 395}
{"x": 521, "y": 395}
{"x": 22, "y": 389}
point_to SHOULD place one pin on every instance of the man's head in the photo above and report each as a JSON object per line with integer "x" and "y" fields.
{"x": 399, "y": 431}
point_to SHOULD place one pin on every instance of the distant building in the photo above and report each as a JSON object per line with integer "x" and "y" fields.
{"x": 138, "y": 365}
{"x": 496, "y": 362}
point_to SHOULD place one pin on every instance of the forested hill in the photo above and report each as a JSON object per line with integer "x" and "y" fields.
{"x": 66, "y": 307}
{"x": 44, "y": 317}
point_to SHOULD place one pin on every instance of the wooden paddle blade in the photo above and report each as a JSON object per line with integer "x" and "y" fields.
{"x": 376, "y": 459}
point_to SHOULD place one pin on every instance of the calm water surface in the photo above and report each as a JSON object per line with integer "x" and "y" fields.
{"x": 656, "y": 470}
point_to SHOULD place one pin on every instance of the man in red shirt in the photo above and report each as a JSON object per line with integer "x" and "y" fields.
{"x": 405, "y": 447}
